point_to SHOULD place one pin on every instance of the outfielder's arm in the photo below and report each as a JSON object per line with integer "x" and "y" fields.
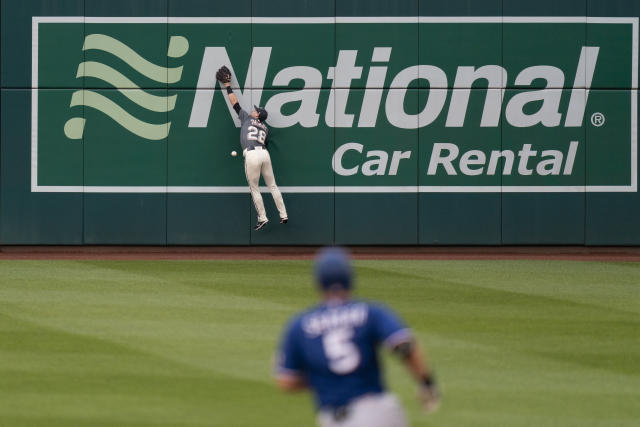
{"x": 289, "y": 372}
{"x": 291, "y": 383}
{"x": 232, "y": 97}
{"x": 412, "y": 357}
{"x": 224, "y": 76}
{"x": 414, "y": 360}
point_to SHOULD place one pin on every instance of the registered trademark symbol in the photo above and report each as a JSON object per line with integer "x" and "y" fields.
{"x": 597, "y": 119}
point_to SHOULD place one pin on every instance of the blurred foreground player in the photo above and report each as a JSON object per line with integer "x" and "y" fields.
{"x": 332, "y": 350}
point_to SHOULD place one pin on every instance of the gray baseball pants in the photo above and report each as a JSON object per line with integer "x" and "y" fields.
{"x": 258, "y": 162}
{"x": 375, "y": 410}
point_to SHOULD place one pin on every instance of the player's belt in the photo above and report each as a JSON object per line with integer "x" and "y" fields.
{"x": 337, "y": 413}
{"x": 244, "y": 152}
{"x": 340, "y": 413}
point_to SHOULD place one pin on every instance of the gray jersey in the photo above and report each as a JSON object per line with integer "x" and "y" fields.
{"x": 252, "y": 131}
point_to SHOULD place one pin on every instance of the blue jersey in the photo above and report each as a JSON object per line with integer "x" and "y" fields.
{"x": 335, "y": 348}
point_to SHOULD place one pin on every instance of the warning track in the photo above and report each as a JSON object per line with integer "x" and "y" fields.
{"x": 571, "y": 253}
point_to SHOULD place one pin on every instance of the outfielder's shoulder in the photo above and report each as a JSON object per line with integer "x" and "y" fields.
{"x": 243, "y": 115}
{"x": 371, "y": 305}
{"x": 383, "y": 312}
{"x": 310, "y": 310}
{"x": 379, "y": 306}
{"x": 296, "y": 320}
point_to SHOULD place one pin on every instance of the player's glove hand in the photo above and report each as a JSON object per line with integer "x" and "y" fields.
{"x": 223, "y": 74}
{"x": 429, "y": 395}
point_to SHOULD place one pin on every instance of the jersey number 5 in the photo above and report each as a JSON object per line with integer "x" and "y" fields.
{"x": 256, "y": 135}
{"x": 341, "y": 352}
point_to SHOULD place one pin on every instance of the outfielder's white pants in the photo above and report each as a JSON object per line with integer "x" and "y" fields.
{"x": 375, "y": 410}
{"x": 258, "y": 162}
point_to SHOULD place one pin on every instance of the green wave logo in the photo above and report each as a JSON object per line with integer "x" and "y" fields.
{"x": 178, "y": 47}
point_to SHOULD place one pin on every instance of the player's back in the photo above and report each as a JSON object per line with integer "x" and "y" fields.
{"x": 253, "y": 132}
{"x": 335, "y": 347}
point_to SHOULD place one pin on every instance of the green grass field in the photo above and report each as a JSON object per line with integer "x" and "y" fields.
{"x": 190, "y": 343}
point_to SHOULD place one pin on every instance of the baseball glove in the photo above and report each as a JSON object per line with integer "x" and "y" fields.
{"x": 223, "y": 74}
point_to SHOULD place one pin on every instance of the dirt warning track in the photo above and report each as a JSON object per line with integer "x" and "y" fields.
{"x": 573, "y": 253}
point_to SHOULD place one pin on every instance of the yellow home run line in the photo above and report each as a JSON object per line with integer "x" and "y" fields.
{"x": 117, "y": 113}
{"x": 129, "y": 89}
{"x": 132, "y": 58}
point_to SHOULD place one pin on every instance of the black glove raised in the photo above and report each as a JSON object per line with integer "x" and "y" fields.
{"x": 223, "y": 74}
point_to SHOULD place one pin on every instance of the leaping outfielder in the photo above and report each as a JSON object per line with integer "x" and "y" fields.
{"x": 254, "y": 139}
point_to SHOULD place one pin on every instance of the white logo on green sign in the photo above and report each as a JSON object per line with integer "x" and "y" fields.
{"x": 477, "y": 105}
{"x": 178, "y": 47}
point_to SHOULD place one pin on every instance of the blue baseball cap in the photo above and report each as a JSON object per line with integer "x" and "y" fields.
{"x": 333, "y": 267}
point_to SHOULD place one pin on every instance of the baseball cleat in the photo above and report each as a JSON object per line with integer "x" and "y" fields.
{"x": 260, "y": 224}
{"x": 284, "y": 220}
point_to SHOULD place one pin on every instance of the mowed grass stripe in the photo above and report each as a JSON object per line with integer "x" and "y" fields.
{"x": 515, "y": 343}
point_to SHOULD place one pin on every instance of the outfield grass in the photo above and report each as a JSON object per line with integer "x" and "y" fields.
{"x": 190, "y": 343}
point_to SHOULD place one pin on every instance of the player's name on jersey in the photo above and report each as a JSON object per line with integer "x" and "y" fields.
{"x": 495, "y": 79}
{"x": 335, "y": 318}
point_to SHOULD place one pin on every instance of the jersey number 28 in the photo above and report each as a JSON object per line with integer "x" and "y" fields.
{"x": 342, "y": 353}
{"x": 256, "y": 134}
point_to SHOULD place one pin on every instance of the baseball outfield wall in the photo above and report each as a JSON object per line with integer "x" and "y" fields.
{"x": 392, "y": 122}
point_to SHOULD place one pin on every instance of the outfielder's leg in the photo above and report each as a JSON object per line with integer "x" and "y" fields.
{"x": 252, "y": 167}
{"x": 270, "y": 180}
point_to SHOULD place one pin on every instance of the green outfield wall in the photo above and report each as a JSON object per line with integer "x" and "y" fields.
{"x": 482, "y": 122}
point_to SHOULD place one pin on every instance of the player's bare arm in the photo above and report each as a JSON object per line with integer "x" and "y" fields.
{"x": 224, "y": 76}
{"x": 291, "y": 382}
{"x": 232, "y": 96}
{"x": 414, "y": 360}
